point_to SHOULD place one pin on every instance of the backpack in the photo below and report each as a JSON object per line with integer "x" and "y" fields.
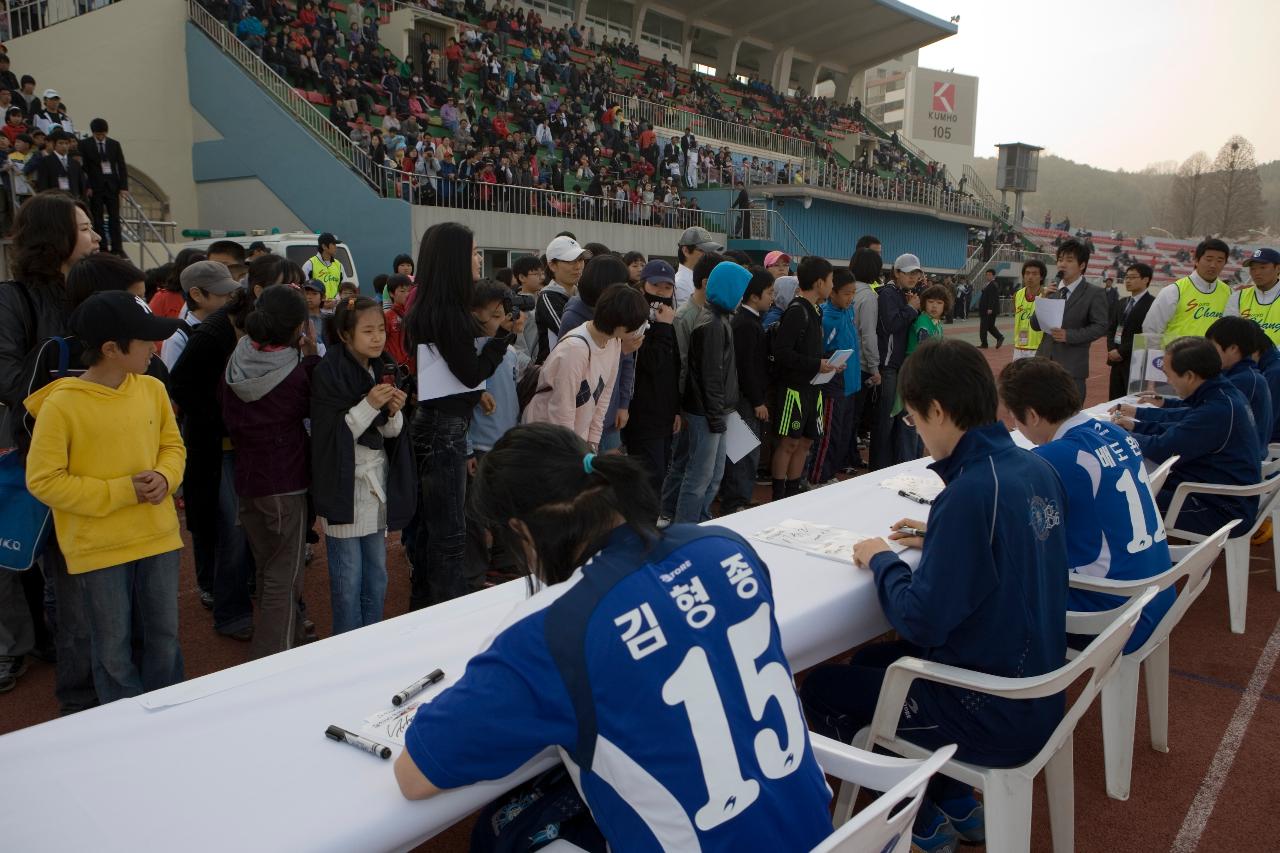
{"x": 546, "y": 808}
{"x": 25, "y": 523}
{"x": 772, "y": 367}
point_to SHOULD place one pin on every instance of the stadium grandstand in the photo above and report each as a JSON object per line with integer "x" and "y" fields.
{"x": 642, "y": 598}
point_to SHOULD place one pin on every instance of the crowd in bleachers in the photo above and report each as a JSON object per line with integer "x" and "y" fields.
{"x": 542, "y": 111}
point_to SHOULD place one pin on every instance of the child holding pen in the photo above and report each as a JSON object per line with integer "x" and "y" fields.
{"x": 362, "y": 473}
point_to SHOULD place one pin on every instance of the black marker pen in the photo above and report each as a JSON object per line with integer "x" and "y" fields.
{"x": 361, "y": 743}
{"x": 416, "y": 688}
{"x": 912, "y": 496}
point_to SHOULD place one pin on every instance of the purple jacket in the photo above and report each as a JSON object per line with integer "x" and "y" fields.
{"x": 264, "y": 414}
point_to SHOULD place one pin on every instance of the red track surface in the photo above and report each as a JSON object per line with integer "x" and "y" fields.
{"x": 1210, "y": 670}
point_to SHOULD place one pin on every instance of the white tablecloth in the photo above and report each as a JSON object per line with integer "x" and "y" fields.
{"x": 238, "y": 760}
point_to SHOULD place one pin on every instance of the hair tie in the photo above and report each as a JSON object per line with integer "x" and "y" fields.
{"x": 586, "y": 463}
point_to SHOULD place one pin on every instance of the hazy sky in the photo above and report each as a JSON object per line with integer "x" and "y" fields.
{"x": 1117, "y": 84}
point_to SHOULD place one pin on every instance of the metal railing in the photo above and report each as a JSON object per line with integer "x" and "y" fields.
{"x": 728, "y": 132}
{"x": 762, "y": 223}
{"x": 21, "y": 17}
{"x": 333, "y": 137}
{"x": 859, "y": 182}
{"x": 448, "y": 192}
{"x": 137, "y": 228}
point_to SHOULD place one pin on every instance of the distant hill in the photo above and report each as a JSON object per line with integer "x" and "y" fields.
{"x": 1098, "y": 198}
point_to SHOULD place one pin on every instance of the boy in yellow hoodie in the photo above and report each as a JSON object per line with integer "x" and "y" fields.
{"x": 106, "y": 456}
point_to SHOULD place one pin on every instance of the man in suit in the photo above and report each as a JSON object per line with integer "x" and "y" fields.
{"x": 988, "y": 310}
{"x": 58, "y": 171}
{"x": 108, "y": 181}
{"x": 1126, "y": 322}
{"x": 1084, "y": 320}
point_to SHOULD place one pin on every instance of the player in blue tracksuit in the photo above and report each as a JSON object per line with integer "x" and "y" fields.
{"x": 1216, "y": 439}
{"x": 1114, "y": 529}
{"x": 1235, "y": 338}
{"x": 989, "y": 594}
{"x": 651, "y": 660}
{"x": 1268, "y": 358}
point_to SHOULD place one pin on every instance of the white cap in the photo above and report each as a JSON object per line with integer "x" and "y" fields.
{"x": 907, "y": 263}
{"x": 564, "y": 249}
{"x": 50, "y": 93}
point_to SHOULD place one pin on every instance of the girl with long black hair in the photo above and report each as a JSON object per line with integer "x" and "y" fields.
{"x": 440, "y": 321}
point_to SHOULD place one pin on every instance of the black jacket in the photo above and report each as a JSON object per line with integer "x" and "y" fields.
{"x": 92, "y": 157}
{"x": 456, "y": 343}
{"x": 749, "y": 349}
{"x": 29, "y": 315}
{"x": 338, "y": 383}
{"x": 712, "y": 389}
{"x": 989, "y": 301}
{"x": 894, "y": 322}
{"x": 655, "y": 402}
{"x": 797, "y": 343}
{"x": 1132, "y": 325}
{"x": 51, "y": 169}
{"x": 548, "y": 313}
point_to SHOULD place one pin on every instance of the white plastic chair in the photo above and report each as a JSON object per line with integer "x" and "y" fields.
{"x": 1161, "y": 473}
{"x": 878, "y": 827}
{"x": 1007, "y": 790}
{"x": 875, "y": 828}
{"x": 1237, "y": 548}
{"x": 1273, "y": 451}
{"x": 1120, "y": 692}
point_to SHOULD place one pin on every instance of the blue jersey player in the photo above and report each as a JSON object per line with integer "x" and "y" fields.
{"x": 652, "y": 661}
{"x": 1114, "y": 529}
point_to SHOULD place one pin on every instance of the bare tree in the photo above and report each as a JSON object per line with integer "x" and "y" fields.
{"x": 1185, "y": 210}
{"x": 1235, "y": 190}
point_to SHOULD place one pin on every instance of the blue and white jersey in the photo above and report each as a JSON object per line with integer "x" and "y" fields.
{"x": 658, "y": 672}
{"x": 1114, "y": 529}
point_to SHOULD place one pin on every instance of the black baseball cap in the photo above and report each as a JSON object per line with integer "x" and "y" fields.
{"x": 117, "y": 315}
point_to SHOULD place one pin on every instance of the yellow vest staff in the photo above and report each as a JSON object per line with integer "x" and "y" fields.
{"x": 330, "y": 275}
{"x": 1266, "y": 316}
{"x": 1196, "y": 311}
{"x": 1024, "y": 337}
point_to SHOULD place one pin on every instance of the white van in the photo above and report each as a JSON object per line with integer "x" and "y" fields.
{"x": 297, "y": 246}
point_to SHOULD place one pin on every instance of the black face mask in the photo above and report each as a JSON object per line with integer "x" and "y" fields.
{"x": 659, "y": 300}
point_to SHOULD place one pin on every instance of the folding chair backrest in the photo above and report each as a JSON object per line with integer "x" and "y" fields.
{"x": 1161, "y": 473}
{"x": 884, "y": 825}
{"x": 1098, "y": 658}
{"x": 1195, "y": 568}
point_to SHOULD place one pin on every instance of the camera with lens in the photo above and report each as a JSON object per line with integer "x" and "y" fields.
{"x": 517, "y": 303}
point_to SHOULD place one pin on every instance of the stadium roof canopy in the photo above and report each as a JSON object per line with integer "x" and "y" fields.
{"x": 841, "y": 35}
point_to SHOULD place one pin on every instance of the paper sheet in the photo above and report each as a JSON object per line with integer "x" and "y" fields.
{"x": 739, "y": 439}
{"x": 927, "y": 486}
{"x": 435, "y": 379}
{"x": 1049, "y": 312}
{"x": 388, "y": 725}
{"x": 820, "y": 540}
{"x": 836, "y": 359}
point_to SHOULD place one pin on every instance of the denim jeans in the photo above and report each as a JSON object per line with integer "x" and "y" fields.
{"x": 233, "y": 564}
{"x": 357, "y": 579}
{"x": 841, "y": 435}
{"x": 73, "y": 683}
{"x": 675, "y": 472}
{"x": 610, "y": 439}
{"x": 892, "y": 441}
{"x": 702, "y": 473}
{"x": 439, "y": 565}
{"x": 142, "y": 596}
{"x": 740, "y": 477}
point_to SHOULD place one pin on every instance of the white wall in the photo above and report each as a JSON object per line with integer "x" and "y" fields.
{"x": 533, "y": 233}
{"x": 242, "y": 204}
{"x": 125, "y": 63}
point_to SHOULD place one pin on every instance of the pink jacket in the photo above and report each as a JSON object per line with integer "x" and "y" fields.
{"x": 575, "y": 385}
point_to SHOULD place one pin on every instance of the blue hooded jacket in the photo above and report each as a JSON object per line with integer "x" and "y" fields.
{"x": 1252, "y": 384}
{"x": 839, "y": 332}
{"x": 1269, "y": 365}
{"x": 996, "y": 605}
